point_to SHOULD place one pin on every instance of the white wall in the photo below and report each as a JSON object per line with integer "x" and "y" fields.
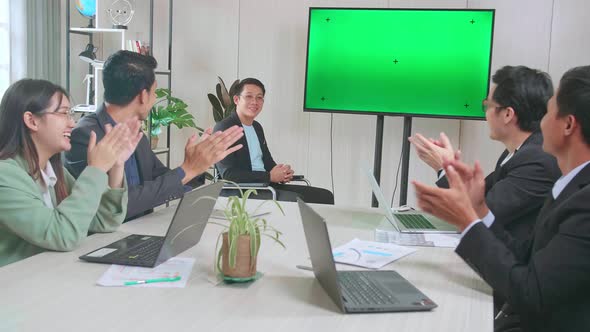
{"x": 267, "y": 39}
{"x": 4, "y": 46}
{"x": 522, "y": 34}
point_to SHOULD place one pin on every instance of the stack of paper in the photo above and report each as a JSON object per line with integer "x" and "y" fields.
{"x": 372, "y": 255}
{"x": 118, "y": 275}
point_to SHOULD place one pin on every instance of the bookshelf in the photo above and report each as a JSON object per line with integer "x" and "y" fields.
{"x": 100, "y": 27}
{"x": 165, "y": 72}
{"x": 96, "y": 26}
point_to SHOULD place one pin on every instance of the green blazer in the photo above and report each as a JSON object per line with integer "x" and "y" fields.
{"x": 28, "y": 227}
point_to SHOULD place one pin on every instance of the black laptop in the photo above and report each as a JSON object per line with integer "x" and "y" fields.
{"x": 357, "y": 291}
{"x": 185, "y": 231}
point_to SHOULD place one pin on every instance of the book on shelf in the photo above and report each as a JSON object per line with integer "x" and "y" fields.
{"x": 138, "y": 46}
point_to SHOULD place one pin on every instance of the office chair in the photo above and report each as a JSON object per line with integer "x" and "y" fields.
{"x": 256, "y": 185}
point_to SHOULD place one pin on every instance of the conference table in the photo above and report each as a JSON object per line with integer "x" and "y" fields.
{"x": 55, "y": 291}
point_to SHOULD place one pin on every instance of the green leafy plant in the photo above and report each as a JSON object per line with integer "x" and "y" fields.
{"x": 240, "y": 222}
{"x": 223, "y": 104}
{"x": 170, "y": 110}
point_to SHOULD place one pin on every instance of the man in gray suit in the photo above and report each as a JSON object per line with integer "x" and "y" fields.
{"x": 129, "y": 93}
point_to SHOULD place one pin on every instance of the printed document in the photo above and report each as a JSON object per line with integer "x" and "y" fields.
{"x": 369, "y": 254}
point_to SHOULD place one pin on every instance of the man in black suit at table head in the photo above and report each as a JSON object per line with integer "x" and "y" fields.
{"x": 254, "y": 163}
{"x": 544, "y": 279}
{"x": 129, "y": 93}
{"x": 524, "y": 173}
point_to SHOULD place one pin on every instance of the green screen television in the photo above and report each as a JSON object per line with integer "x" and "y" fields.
{"x": 404, "y": 62}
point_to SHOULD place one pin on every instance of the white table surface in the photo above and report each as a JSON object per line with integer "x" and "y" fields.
{"x": 57, "y": 292}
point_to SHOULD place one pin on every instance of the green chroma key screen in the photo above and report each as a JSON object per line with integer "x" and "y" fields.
{"x": 418, "y": 62}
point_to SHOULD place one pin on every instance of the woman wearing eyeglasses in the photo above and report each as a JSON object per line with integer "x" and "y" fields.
{"x": 42, "y": 207}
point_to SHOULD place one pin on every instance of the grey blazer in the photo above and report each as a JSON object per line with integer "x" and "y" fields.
{"x": 158, "y": 183}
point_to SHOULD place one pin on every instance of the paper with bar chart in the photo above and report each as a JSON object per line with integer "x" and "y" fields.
{"x": 369, "y": 254}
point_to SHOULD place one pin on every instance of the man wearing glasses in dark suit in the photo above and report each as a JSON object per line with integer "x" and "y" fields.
{"x": 544, "y": 279}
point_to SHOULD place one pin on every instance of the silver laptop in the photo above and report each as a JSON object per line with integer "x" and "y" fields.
{"x": 357, "y": 291}
{"x": 185, "y": 231}
{"x": 411, "y": 221}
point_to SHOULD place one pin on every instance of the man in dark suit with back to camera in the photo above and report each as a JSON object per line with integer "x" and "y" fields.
{"x": 254, "y": 163}
{"x": 129, "y": 93}
{"x": 524, "y": 173}
{"x": 545, "y": 278}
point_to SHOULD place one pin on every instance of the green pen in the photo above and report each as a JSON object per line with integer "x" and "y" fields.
{"x": 149, "y": 281}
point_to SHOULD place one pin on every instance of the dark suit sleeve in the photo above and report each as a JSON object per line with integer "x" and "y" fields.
{"x": 234, "y": 167}
{"x": 163, "y": 185}
{"x": 160, "y": 186}
{"x": 554, "y": 275}
{"x": 530, "y": 177}
{"x": 160, "y": 169}
{"x": 520, "y": 247}
{"x": 443, "y": 182}
{"x": 146, "y": 196}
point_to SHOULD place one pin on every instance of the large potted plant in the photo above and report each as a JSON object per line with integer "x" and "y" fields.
{"x": 223, "y": 103}
{"x": 241, "y": 237}
{"x": 166, "y": 111}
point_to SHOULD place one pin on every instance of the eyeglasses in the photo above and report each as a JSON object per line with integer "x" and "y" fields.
{"x": 250, "y": 98}
{"x": 486, "y": 105}
{"x": 66, "y": 113}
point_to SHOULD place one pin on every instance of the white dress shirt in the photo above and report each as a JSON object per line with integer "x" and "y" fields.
{"x": 46, "y": 186}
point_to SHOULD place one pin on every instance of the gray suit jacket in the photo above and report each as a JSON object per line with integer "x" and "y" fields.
{"x": 158, "y": 183}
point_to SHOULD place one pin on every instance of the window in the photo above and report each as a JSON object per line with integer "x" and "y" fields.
{"x": 4, "y": 46}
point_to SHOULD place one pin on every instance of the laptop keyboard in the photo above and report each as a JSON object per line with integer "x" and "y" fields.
{"x": 361, "y": 289}
{"x": 414, "y": 221}
{"x": 144, "y": 253}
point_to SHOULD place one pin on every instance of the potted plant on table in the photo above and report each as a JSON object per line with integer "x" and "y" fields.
{"x": 166, "y": 111}
{"x": 241, "y": 237}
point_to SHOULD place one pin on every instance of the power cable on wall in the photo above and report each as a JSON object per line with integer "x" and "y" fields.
{"x": 550, "y": 37}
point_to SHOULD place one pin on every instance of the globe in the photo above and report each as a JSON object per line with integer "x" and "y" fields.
{"x": 86, "y": 8}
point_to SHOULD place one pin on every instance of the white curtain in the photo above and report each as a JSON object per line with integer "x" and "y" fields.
{"x": 4, "y": 46}
{"x": 43, "y": 22}
{"x": 30, "y": 41}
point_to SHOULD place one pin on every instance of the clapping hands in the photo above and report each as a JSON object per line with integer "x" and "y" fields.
{"x": 116, "y": 146}
{"x": 434, "y": 152}
{"x": 464, "y": 200}
{"x": 201, "y": 153}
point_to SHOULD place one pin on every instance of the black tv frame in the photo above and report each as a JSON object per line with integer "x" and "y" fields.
{"x": 370, "y": 112}
{"x": 407, "y": 130}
